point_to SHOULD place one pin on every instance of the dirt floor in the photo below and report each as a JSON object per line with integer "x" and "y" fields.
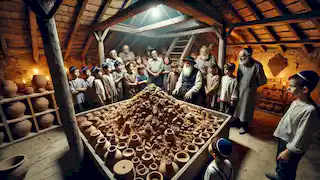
{"x": 253, "y": 154}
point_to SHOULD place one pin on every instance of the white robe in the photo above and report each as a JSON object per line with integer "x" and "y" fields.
{"x": 214, "y": 173}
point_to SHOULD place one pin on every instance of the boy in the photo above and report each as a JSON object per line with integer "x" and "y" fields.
{"x": 90, "y": 93}
{"x": 212, "y": 85}
{"x": 118, "y": 76}
{"x": 142, "y": 79}
{"x": 77, "y": 87}
{"x": 228, "y": 89}
{"x": 108, "y": 78}
{"x": 297, "y": 126}
{"x": 130, "y": 84}
{"x": 99, "y": 88}
{"x": 173, "y": 78}
{"x": 165, "y": 72}
{"x": 220, "y": 168}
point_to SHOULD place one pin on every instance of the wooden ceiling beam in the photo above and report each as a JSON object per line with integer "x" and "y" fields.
{"x": 124, "y": 14}
{"x": 198, "y": 9}
{"x": 79, "y": 10}
{"x": 4, "y": 47}
{"x": 33, "y": 33}
{"x": 301, "y": 41}
{"x": 238, "y": 36}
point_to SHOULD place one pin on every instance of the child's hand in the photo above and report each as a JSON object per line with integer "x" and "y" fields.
{"x": 284, "y": 155}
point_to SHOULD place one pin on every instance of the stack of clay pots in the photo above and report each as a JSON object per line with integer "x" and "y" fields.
{"x": 39, "y": 83}
{"x": 8, "y": 88}
{"x": 42, "y": 104}
{"x": 151, "y": 136}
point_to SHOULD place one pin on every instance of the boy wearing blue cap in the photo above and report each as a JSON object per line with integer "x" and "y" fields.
{"x": 220, "y": 168}
{"x": 297, "y": 126}
{"x": 77, "y": 88}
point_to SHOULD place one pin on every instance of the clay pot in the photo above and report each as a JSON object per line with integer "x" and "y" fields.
{"x": 210, "y": 130}
{"x": 122, "y": 146}
{"x": 86, "y": 128}
{"x": 147, "y": 159}
{"x": 50, "y": 87}
{"x": 89, "y": 115}
{"x": 168, "y": 168}
{"x": 123, "y": 138}
{"x": 39, "y": 82}
{"x": 127, "y": 128}
{"x": 138, "y": 178}
{"x": 146, "y": 133}
{"x": 124, "y": 169}
{"x": 198, "y": 141}
{"x": 135, "y": 160}
{"x": 14, "y": 168}
{"x": 16, "y": 109}
{"x": 21, "y": 129}
{"x": 94, "y": 136}
{"x": 175, "y": 149}
{"x": 205, "y": 135}
{"x": 102, "y": 146}
{"x": 155, "y": 175}
{"x": 9, "y": 88}
{"x": 128, "y": 153}
{"x": 153, "y": 167}
{"x": 142, "y": 171}
{"x": 269, "y": 107}
{"x": 262, "y": 105}
{"x": 134, "y": 141}
{"x": 181, "y": 158}
{"x": 112, "y": 156}
{"x": 46, "y": 121}
{"x": 41, "y": 104}
{"x": 28, "y": 90}
{"x": 140, "y": 150}
{"x": 278, "y": 108}
{"x": 191, "y": 149}
{"x": 81, "y": 119}
{"x": 169, "y": 135}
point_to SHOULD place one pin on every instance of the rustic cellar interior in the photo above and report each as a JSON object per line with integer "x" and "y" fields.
{"x": 141, "y": 136}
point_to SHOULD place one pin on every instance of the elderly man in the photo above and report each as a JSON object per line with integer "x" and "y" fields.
{"x": 189, "y": 86}
{"x": 126, "y": 55}
{"x": 114, "y": 57}
{"x": 154, "y": 68}
{"x": 204, "y": 60}
{"x": 250, "y": 77}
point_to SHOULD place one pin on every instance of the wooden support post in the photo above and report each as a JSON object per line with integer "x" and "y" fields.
{"x": 54, "y": 57}
{"x": 4, "y": 47}
{"x": 33, "y": 32}
{"x": 100, "y": 38}
{"x": 222, "y": 47}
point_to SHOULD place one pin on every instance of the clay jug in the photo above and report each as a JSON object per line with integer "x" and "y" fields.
{"x": 39, "y": 82}
{"x": 46, "y": 121}
{"x": 205, "y": 136}
{"x": 102, "y": 146}
{"x": 181, "y": 158}
{"x": 81, "y": 119}
{"x": 122, "y": 146}
{"x": 140, "y": 150}
{"x": 14, "y": 168}
{"x": 124, "y": 170}
{"x": 41, "y": 104}
{"x": 21, "y": 129}
{"x": 135, "y": 160}
{"x": 191, "y": 149}
{"x": 155, "y": 175}
{"x": 142, "y": 171}
{"x": 94, "y": 136}
{"x": 16, "y": 109}
{"x": 9, "y": 88}
{"x": 153, "y": 167}
{"x": 127, "y": 128}
{"x": 112, "y": 156}
{"x": 86, "y": 128}
{"x": 29, "y": 90}
{"x": 169, "y": 135}
{"x": 123, "y": 138}
{"x": 198, "y": 141}
{"x": 147, "y": 158}
{"x": 128, "y": 153}
{"x": 134, "y": 141}
{"x": 168, "y": 168}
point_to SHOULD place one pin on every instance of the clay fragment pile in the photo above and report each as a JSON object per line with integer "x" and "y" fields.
{"x": 147, "y": 134}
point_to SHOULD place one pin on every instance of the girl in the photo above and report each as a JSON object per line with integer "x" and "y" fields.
{"x": 173, "y": 78}
{"x": 166, "y": 71}
{"x": 130, "y": 81}
{"x": 212, "y": 85}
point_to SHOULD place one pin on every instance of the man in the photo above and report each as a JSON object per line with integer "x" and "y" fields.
{"x": 77, "y": 88}
{"x": 114, "y": 57}
{"x": 250, "y": 77}
{"x": 126, "y": 55}
{"x": 189, "y": 86}
{"x": 90, "y": 93}
{"x": 154, "y": 68}
{"x": 204, "y": 60}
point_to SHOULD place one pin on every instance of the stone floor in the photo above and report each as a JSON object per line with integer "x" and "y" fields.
{"x": 253, "y": 154}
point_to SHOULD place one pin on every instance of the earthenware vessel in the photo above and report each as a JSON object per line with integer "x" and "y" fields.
{"x": 210, "y": 130}
{"x": 127, "y": 128}
{"x": 140, "y": 150}
{"x": 122, "y": 146}
{"x": 278, "y": 108}
{"x": 46, "y": 121}
{"x": 198, "y": 141}
{"x": 86, "y": 128}
{"x": 14, "y": 168}
{"x": 124, "y": 169}
{"x": 41, "y": 104}
{"x": 16, "y": 109}
{"x": 28, "y": 90}
{"x": 155, "y": 175}
{"x": 205, "y": 136}
{"x": 168, "y": 168}
{"x": 9, "y": 88}
{"x": 135, "y": 160}
{"x": 21, "y": 129}
{"x": 39, "y": 82}
{"x": 269, "y": 106}
{"x": 81, "y": 119}
{"x": 49, "y": 86}
{"x": 153, "y": 167}
{"x": 94, "y": 136}
{"x": 112, "y": 156}
{"x": 123, "y": 138}
{"x": 262, "y": 105}
{"x": 102, "y": 146}
{"x": 191, "y": 149}
{"x": 134, "y": 141}
{"x": 147, "y": 158}
{"x": 181, "y": 158}
{"x": 169, "y": 135}
{"x": 128, "y": 153}
{"x": 142, "y": 171}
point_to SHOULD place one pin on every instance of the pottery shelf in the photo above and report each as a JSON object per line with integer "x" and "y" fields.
{"x": 272, "y": 101}
{"x": 270, "y": 112}
{"x": 31, "y": 116}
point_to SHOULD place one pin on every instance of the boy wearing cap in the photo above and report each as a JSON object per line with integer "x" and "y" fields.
{"x": 118, "y": 76}
{"x": 99, "y": 87}
{"x": 89, "y": 93}
{"x": 141, "y": 78}
{"x": 228, "y": 89}
{"x": 108, "y": 78}
{"x": 220, "y": 168}
{"x": 173, "y": 77}
{"x": 77, "y": 88}
{"x": 212, "y": 85}
{"x": 297, "y": 126}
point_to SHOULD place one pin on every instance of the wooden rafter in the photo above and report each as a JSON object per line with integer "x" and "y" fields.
{"x": 33, "y": 32}
{"x": 4, "y": 46}
{"x": 76, "y": 24}
{"x": 238, "y": 36}
{"x": 258, "y": 15}
{"x": 282, "y": 9}
{"x": 301, "y": 41}
{"x": 91, "y": 37}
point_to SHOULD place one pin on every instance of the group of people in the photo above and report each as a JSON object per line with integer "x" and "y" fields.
{"x": 200, "y": 81}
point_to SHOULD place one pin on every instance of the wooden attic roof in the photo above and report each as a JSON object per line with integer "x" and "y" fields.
{"x": 75, "y": 19}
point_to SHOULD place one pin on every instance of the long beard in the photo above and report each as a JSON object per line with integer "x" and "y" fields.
{"x": 186, "y": 71}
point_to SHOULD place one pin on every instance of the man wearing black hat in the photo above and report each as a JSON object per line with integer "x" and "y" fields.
{"x": 189, "y": 86}
{"x": 155, "y": 68}
{"x": 77, "y": 87}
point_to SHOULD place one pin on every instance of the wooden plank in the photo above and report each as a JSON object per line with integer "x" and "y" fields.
{"x": 33, "y": 32}
{"x": 4, "y": 47}
{"x": 75, "y": 28}
{"x": 301, "y": 41}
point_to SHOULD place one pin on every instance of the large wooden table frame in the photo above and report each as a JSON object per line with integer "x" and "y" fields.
{"x": 189, "y": 171}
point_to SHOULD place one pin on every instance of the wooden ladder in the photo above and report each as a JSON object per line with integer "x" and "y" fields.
{"x": 180, "y": 47}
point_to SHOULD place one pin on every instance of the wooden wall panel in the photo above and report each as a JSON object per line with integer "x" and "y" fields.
{"x": 264, "y": 6}
{"x": 270, "y": 14}
{"x": 238, "y": 5}
{"x": 12, "y": 6}
{"x": 288, "y": 38}
{"x": 281, "y": 28}
{"x": 306, "y": 25}
{"x": 312, "y": 32}
{"x": 244, "y": 12}
{"x": 296, "y": 7}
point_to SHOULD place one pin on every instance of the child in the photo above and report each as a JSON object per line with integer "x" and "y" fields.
{"x": 90, "y": 92}
{"x": 166, "y": 71}
{"x": 108, "y": 78}
{"x": 212, "y": 85}
{"x": 130, "y": 80}
{"x": 77, "y": 87}
{"x": 142, "y": 79}
{"x": 220, "y": 168}
{"x": 118, "y": 76}
{"x": 173, "y": 78}
{"x": 228, "y": 89}
{"x": 99, "y": 87}
{"x": 297, "y": 126}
